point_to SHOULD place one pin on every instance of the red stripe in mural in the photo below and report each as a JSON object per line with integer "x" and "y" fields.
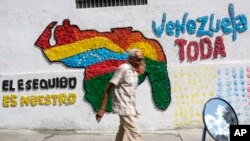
{"x": 102, "y": 68}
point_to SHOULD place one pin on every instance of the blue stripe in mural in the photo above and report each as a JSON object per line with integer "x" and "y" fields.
{"x": 92, "y": 57}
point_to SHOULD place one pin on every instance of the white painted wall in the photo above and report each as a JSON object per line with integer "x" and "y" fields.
{"x": 22, "y": 22}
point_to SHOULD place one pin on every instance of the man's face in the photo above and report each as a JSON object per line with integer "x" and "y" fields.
{"x": 137, "y": 60}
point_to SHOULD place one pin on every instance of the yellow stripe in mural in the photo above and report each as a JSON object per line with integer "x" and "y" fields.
{"x": 64, "y": 51}
{"x": 147, "y": 50}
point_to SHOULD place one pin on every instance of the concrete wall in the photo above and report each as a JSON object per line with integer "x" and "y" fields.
{"x": 221, "y": 71}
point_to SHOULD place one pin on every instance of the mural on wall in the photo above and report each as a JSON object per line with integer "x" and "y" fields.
{"x": 202, "y": 26}
{"x": 207, "y": 51}
{"x": 100, "y": 53}
{"x": 193, "y": 85}
{"x": 231, "y": 85}
{"x": 25, "y": 90}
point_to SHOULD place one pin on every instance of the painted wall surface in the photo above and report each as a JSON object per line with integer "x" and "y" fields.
{"x": 56, "y": 60}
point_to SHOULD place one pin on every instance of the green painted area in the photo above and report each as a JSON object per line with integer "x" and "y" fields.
{"x": 158, "y": 78}
{"x": 160, "y": 84}
{"x": 94, "y": 90}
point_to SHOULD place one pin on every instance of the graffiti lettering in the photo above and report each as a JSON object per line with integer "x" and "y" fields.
{"x": 232, "y": 24}
{"x": 35, "y": 100}
{"x": 61, "y": 99}
{"x": 35, "y": 84}
{"x": 203, "y": 49}
{"x": 201, "y": 31}
{"x": 9, "y": 100}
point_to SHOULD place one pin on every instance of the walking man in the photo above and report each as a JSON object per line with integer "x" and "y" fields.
{"x": 123, "y": 86}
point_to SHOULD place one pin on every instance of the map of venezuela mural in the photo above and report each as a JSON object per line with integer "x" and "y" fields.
{"x": 100, "y": 53}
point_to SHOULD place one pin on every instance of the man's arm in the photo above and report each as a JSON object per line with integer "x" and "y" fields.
{"x": 107, "y": 91}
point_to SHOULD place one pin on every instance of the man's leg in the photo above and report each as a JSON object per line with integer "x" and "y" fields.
{"x": 120, "y": 136}
{"x": 128, "y": 130}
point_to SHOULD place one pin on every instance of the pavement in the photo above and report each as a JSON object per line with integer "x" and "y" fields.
{"x": 55, "y": 135}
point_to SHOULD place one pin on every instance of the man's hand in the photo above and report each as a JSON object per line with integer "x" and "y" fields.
{"x": 99, "y": 115}
{"x": 142, "y": 67}
{"x": 101, "y": 112}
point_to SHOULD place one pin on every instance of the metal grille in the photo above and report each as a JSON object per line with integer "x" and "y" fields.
{"x": 108, "y": 3}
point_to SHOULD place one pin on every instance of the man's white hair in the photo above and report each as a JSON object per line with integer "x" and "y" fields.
{"x": 132, "y": 52}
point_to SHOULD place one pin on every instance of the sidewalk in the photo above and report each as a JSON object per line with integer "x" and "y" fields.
{"x": 49, "y": 135}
